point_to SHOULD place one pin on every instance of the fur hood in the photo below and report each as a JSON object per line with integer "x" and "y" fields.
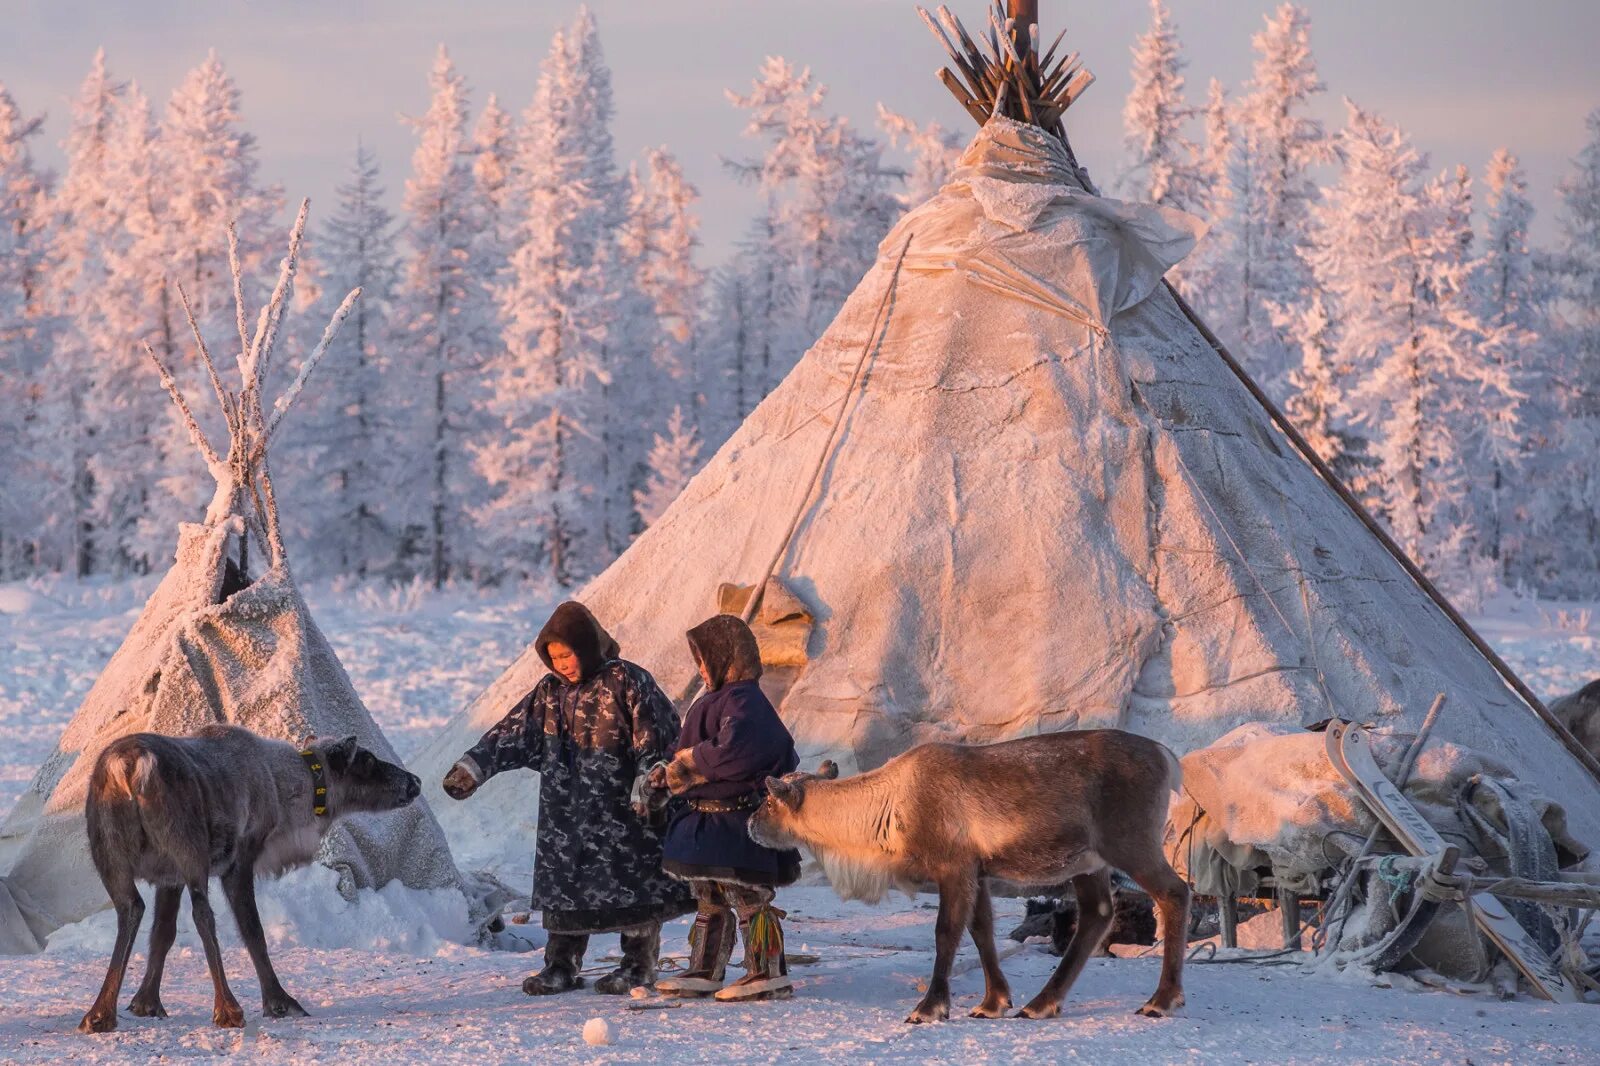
{"x": 572, "y": 624}
{"x": 727, "y": 648}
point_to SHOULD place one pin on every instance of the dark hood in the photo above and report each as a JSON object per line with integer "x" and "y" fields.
{"x": 574, "y": 626}
{"x": 727, "y": 648}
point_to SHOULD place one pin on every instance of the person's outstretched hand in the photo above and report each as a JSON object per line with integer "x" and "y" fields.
{"x": 460, "y": 782}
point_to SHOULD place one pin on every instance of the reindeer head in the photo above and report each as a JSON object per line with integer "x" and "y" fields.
{"x": 359, "y": 781}
{"x": 775, "y": 822}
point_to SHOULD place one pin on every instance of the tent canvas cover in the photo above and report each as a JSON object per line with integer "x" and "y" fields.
{"x": 1049, "y": 505}
{"x": 206, "y": 650}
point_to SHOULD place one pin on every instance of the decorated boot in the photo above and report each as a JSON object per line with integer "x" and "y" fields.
{"x": 563, "y": 958}
{"x": 766, "y": 967}
{"x": 640, "y": 950}
{"x": 710, "y": 947}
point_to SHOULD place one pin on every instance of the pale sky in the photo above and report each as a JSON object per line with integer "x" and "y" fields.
{"x": 1463, "y": 77}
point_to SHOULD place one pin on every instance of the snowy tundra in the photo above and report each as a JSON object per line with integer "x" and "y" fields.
{"x": 396, "y": 978}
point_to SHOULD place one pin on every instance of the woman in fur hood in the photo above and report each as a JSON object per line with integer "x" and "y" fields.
{"x": 590, "y": 727}
{"x": 732, "y": 741}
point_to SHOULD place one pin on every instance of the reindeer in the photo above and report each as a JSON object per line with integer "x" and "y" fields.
{"x": 1035, "y": 812}
{"x": 174, "y": 811}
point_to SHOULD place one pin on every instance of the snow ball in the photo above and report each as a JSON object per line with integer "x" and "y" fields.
{"x": 597, "y": 1032}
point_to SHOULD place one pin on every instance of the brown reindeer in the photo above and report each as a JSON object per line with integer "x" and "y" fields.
{"x": 224, "y": 802}
{"x": 1035, "y": 812}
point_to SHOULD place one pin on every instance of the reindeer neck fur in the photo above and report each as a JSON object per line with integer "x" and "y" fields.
{"x": 297, "y": 836}
{"x": 852, "y": 828}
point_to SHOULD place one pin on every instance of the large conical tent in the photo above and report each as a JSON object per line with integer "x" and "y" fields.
{"x": 1026, "y": 493}
{"x": 213, "y": 645}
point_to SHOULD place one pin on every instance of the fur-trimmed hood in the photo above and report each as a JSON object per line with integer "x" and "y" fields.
{"x": 727, "y": 649}
{"x": 572, "y": 624}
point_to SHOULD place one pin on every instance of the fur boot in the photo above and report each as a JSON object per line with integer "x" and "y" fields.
{"x": 766, "y": 966}
{"x": 641, "y": 947}
{"x": 710, "y": 947}
{"x": 563, "y": 958}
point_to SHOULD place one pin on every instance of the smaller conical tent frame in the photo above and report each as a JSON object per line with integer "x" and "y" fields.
{"x": 214, "y": 645}
{"x": 1017, "y": 486}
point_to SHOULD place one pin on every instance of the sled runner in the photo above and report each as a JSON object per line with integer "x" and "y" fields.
{"x": 1350, "y": 752}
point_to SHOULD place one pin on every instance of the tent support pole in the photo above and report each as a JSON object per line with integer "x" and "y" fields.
{"x": 1228, "y": 921}
{"x": 1582, "y": 754}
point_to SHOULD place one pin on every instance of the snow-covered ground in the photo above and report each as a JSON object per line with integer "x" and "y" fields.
{"x": 393, "y": 990}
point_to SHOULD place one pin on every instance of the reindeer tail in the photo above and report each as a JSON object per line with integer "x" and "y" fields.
{"x": 128, "y": 773}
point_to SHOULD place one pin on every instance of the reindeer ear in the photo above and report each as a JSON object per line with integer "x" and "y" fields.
{"x": 785, "y": 793}
{"x": 341, "y": 752}
{"x": 828, "y": 770}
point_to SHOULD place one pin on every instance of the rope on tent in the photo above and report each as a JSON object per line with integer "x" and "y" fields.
{"x": 874, "y": 339}
{"x": 1579, "y": 752}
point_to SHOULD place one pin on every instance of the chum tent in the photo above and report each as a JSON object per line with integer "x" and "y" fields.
{"x": 1017, "y": 487}
{"x": 216, "y": 642}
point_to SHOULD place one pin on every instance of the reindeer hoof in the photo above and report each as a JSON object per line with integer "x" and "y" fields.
{"x": 283, "y": 1005}
{"x": 98, "y": 1021}
{"x": 995, "y": 1008}
{"x": 1161, "y": 1008}
{"x": 228, "y": 1016}
{"x": 146, "y": 1007}
{"x": 929, "y": 1012}
{"x": 1038, "y": 1010}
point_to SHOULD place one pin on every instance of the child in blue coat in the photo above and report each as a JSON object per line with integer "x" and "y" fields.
{"x": 732, "y": 741}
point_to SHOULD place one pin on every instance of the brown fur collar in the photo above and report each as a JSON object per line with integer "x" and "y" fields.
{"x": 574, "y": 626}
{"x": 727, "y": 649}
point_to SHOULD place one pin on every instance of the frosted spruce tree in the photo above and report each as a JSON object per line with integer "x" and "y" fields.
{"x": 1160, "y": 167}
{"x": 206, "y": 169}
{"x": 1367, "y": 262}
{"x": 663, "y": 328}
{"x": 550, "y": 461}
{"x": 1316, "y": 403}
{"x": 129, "y": 420}
{"x": 1210, "y": 277}
{"x": 674, "y": 458}
{"x": 442, "y": 309}
{"x": 1392, "y": 255}
{"x": 494, "y": 152}
{"x": 1276, "y": 145}
{"x": 933, "y": 150}
{"x": 1460, "y": 384}
{"x": 344, "y": 477}
{"x": 828, "y": 204}
{"x": 86, "y": 234}
{"x": 1575, "y": 370}
{"x": 1511, "y": 316}
{"x": 35, "y": 501}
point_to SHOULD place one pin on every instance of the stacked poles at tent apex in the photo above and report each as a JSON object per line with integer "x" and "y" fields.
{"x": 1002, "y": 72}
{"x": 243, "y": 475}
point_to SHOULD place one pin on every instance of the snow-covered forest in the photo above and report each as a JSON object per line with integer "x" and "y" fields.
{"x": 541, "y": 358}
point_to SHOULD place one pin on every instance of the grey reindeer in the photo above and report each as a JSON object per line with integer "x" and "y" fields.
{"x": 224, "y": 802}
{"x": 1036, "y": 812}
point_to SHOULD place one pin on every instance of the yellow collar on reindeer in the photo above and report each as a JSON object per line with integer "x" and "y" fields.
{"x": 319, "y": 782}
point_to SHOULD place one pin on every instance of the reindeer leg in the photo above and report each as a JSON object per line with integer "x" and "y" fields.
{"x": 146, "y": 1002}
{"x": 1094, "y": 921}
{"x": 996, "y": 992}
{"x": 1172, "y": 900}
{"x": 225, "y": 1012}
{"x": 957, "y": 895}
{"x": 102, "y": 1015}
{"x": 239, "y": 883}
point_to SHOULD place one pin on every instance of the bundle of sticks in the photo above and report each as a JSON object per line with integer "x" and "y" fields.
{"x": 1004, "y": 71}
